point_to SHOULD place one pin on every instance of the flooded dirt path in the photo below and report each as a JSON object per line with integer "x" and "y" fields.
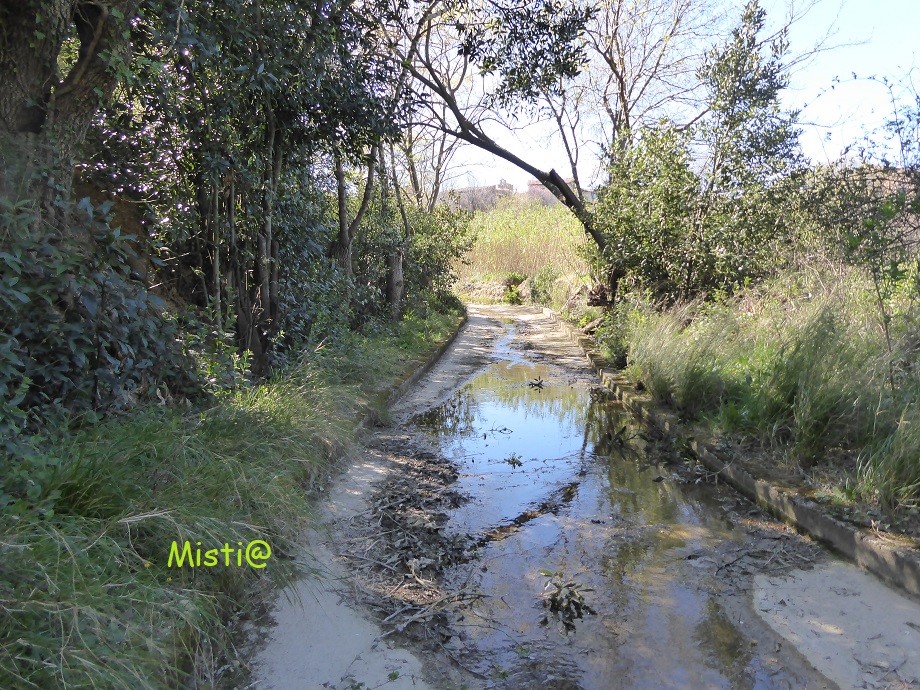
{"x": 591, "y": 557}
{"x": 515, "y": 529}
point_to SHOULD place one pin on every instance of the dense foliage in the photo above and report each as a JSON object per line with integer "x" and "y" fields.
{"x": 79, "y": 334}
{"x": 174, "y": 180}
{"x": 700, "y": 208}
{"x": 198, "y": 241}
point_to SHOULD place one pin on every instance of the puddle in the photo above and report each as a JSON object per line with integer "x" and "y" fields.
{"x": 559, "y": 481}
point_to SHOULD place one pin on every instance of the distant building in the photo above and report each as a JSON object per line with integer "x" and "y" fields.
{"x": 536, "y": 191}
{"x": 486, "y": 197}
{"x": 482, "y": 198}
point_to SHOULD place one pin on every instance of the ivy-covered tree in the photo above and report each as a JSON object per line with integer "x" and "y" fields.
{"x": 78, "y": 333}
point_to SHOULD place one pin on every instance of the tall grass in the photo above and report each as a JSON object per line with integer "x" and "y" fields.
{"x": 90, "y": 600}
{"x": 87, "y": 598}
{"x": 523, "y": 236}
{"x": 801, "y": 364}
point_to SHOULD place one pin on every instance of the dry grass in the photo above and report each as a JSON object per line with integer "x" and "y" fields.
{"x": 525, "y": 237}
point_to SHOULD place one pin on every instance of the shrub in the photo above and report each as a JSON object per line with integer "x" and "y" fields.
{"x": 80, "y": 336}
{"x": 542, "y": 286}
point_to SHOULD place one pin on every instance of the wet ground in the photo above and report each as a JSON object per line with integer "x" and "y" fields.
{"x": 595, "y": 561}
{"x": 515, "y": 529}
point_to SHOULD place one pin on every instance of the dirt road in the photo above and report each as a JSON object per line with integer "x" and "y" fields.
{"x": 512, "y": 528}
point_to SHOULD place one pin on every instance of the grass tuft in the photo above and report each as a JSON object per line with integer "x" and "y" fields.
{"x": 87, "y": 597}
{"x": 801, "y": 365}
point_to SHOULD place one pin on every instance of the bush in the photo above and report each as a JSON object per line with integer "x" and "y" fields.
{"x": 80, "y": 336}
{"x": 542, "y": 286}
{"x": 311, "y": 288}
{"x": 435, "y": 244}
{"x": 441, "y": 240}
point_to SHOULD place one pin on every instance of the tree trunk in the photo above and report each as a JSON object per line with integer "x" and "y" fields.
{"x": 215, "y": 260}
{"x": 265, "y": 237}
{"x": 273, "y": 286}
{"x": 395, "y": 283}
{"x": 340, "y": 251}
{"x": 36, "y": 106}
{"x": 264, "y": 309}
{"x": 395, "y": 263}
{"x": 341, "y": 248}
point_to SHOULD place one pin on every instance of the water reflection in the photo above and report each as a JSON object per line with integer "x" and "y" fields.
{"x": 582, "y": 500}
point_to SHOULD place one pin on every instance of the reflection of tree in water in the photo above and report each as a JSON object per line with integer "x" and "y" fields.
{"x": 612, "y": 434}
{"x": 644, "y": 505}
{"x": 716, "y": 634}
{"x": 455, "y": 417}
{"x": 603, "y": 421}
{"x": 655, "y": 502}
{"x": 622, "y": 557}
{"x": 506, "y": 384}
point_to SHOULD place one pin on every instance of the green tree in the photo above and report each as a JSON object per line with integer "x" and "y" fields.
{"x": 645, "y": 209}
{"x": 750, "y": 146}
{"x": 701, "y": 208}
{"x": 231, "y": 105}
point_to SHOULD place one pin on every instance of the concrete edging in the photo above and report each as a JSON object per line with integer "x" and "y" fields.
{"x": 401, "y": 388}
{"x": 895, "y": 565}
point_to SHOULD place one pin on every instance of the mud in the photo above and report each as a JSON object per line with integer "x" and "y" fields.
{"x": 513, "y": 528}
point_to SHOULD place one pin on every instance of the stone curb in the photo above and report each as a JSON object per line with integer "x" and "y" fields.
{"x": 897, "y": 566}
{"x": 401, "y": 388}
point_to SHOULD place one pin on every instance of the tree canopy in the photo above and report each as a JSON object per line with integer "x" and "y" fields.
{"x": 249, "y": 175}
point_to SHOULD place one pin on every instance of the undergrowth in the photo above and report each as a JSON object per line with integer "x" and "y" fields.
{"x": 545, "y": 245}
{"x": 800, "y": 365}
{"x": 88, "y": 597}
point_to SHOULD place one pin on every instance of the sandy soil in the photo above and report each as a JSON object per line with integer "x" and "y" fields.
{"x": 320, "y": 639}
{"x": 322, "y": 636}
{"x": 374, "y": 616}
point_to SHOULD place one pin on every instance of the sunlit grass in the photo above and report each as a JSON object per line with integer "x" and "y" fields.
{"x": 87, "y": 598}
{"x": 800, "y": 364}
{"x": 544, "y": 243}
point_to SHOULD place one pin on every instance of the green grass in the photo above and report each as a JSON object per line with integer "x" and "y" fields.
{"x": 547, "y": 244}
{"x": 87, "y": 598}
{"x": 800, "y": 365}
{"x": 375, "y": 358}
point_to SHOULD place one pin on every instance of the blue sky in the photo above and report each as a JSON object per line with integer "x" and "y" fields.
{"x": 883, "y": 38}
{"x": 887, "y": 34}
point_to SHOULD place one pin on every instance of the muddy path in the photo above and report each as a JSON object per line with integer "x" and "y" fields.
{"x": 511, "y": 527}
